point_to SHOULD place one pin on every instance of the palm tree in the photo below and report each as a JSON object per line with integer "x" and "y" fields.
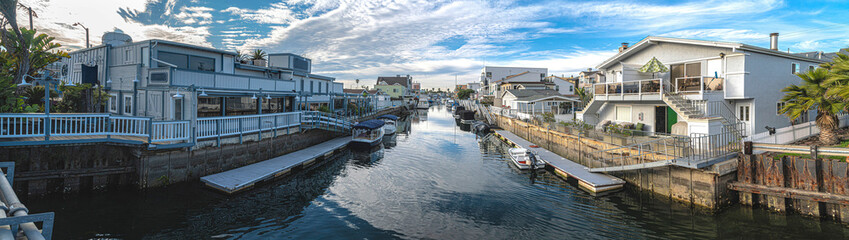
{"x": 358, "y": 82}
{"x": 583, "y": 95}
{"x": 839, "y": 77}
{"x": 812, "y": 94}
{"x": 258, "y": 54}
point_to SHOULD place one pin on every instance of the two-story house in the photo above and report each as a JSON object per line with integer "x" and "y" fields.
{"x": 168, "y": 80}
{"x": 397, "y": 86}
{"x": 709, "y": 85}
{"x": 492, "y": 76}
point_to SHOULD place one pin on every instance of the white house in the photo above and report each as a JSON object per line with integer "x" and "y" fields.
{"x": 528, "y": 102}
{"x": 710, "y": 85}
{"x": 564, "y": 85}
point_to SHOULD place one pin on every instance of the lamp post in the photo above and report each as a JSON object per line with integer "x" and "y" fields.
{"x": 86, "y": 33}
{"x": 46, "y": 80}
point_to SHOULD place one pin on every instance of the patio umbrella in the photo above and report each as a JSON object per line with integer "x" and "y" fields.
{"x": 653, "y": 66}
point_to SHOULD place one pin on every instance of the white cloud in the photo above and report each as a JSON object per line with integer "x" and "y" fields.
{"x": 277, "y": 13}
{"x": 100, "y": 16}
{"x": 192, "y": 15}
{"x": 723, "y": 34}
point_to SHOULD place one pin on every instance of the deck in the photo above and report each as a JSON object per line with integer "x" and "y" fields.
{"x": 594, "y": 182}
{"x": 245, "y": 177}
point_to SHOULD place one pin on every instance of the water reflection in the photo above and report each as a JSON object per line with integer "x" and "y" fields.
{"x": 435, "y": 183}
{"x": 369, "y": 157}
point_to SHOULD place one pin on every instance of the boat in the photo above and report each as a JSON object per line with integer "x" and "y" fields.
{"x": 524, "y": 159}
{"x": 467, "y": 117}
{"x": 389, "y": 123}
{"x": 457, "y": 110}
{"x": 423, "y": 104}
{"x": 367, "y": 134}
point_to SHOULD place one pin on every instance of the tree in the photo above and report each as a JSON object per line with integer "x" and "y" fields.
{"x": 40, "y": 51}
{"x": 839, "y": 76}
{"x": 465, "y": 93}
{"x": 812, "y": 94}
{"x": 584, "y": 95}
{"x": 9, "y": 10}
{"x": 258, "y": 54}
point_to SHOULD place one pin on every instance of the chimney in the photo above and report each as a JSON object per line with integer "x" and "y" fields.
{"x": 773, "y": 41}
{"x": 623, "y": 47}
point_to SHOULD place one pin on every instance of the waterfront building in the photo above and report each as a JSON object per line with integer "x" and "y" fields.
{"x": 490, "y": 76}
{"x": 167, "y": 80}
{"x": 708, "y": 85}
{"x": 564, "y": 85}
{"x": 587, "y": 78}
{"x": 381, "y": 100}
{"x": 397, "y": 87}
{"x": 528, "y": 102}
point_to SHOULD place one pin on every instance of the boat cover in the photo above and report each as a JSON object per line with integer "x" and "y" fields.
{"x": 388, "y": 116}
{"x": 370, "y": 124}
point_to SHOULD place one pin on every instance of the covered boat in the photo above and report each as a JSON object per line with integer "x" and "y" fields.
{"x": 457, "y": 110}
{"x": 423, "y": 103}
{"x": 367, "y": 133}
{"x": 389, "y": 123}
{"x": 467, "y": 117}
{"x": 524, "y": 159}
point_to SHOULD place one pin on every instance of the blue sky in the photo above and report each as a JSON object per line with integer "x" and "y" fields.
{"x": 436, "y": 40}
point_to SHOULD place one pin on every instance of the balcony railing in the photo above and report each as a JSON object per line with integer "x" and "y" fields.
{"x": 647, "y": 86}
{"x": 698, "y": 84}
{"x": 92, "y": 127}
{"x": 184, "y": 77}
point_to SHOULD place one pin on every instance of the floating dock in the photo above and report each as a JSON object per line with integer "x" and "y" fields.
{"x": 245, "y": 177}
{"x": 594, "y": 182}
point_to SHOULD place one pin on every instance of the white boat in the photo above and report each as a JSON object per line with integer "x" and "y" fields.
{"x": 522, "y": 159}
{"x": 367, "y": 134}
{"x": 389, "y": 123}
{"x": 423, "y": 103}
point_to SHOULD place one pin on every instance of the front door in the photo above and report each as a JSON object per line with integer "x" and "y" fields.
{"x": 660, "y": 119}
{"x": 744, "y": 113}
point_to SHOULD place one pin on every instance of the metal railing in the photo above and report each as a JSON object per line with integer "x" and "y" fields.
{"x": 105, "y": 125}
{"x": 217, "y": 127}
{"x": 14, "y": 215}
{"x": 792, "y": 133}
{"x": 698, "y": 84}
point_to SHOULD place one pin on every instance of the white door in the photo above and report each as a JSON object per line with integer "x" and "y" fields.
{"x": 744, "y": 113}
{"x": 154, "y": 105}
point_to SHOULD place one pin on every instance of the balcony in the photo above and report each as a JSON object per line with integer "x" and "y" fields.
{"x": 647, "y": 89}
{"x": 650, "y": 89}
{"x": 215, "y": 80}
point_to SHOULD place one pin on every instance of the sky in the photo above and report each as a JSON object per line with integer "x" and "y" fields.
{"x": 436, "y": 41}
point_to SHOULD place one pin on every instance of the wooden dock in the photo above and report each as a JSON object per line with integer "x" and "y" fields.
{"x": 245, "y": 177}
{"x": 594, "y": 182}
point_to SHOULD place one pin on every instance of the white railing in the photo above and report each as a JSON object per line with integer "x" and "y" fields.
{"x": 168, "y": 131}
{"x": 698, "y": 84}
{"x": 128, "y": 126}
{"x": 183, "y": 77}
{"x": 213, "y": 127}
{"x": 792, "y": 133}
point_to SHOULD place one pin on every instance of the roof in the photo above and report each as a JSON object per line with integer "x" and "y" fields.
{"x": 393, "y": 80}
{"x": 353, "y": 90}
{"x": 388, "y": 116}
{"x": 648, "y": 41}
{"x": 535, "y": 98}
{"x": 521, "y": 93}
{"x": 369, "y": 124}
{"x": 830, "y": 56}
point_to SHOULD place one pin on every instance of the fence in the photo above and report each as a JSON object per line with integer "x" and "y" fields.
{"x": 792, "y": 133}
{"x": 92, "y": 125}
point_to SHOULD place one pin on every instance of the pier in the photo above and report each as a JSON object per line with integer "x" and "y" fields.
{"x": 242, "y": 178}
{"x": 593, "y": 182}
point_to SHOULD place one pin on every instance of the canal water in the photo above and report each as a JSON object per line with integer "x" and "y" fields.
{"x": 432, "y": 180}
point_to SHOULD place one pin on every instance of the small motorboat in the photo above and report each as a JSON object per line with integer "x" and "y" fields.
{"x": 524, "y": 159}
{"x": 367, "y": 134}
{"x": 389, "y": 123}
{"x": 423, "y": 103}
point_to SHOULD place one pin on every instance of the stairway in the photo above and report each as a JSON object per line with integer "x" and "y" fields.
{"x": 684, "y": 107}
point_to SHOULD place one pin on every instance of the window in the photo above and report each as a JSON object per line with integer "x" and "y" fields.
{"x": 159, "y": 77}
{"x": 178, "y": 109}
{"x": 327, "y": 87}
{"x": 489, "y": 74}
{"x": 201, "y": 63}
{"x": 128, "y": 55}
{"x": 557, "y": 88}
{"x": 395, "y": 90}
{"x": 113, "y": 103}
{"x": 803, "y": 118}
{"x": 571, "y": 88}
{"x": 623, "y": 113}
{"x": 812, "y": 68}
{"x": 319, "y": 87}
{"x": 795, "y": 68}
{"x": 779, "y": 106}
{"x": 180, "y": 60}
{"x": 743, "y": 113}
{"x": 128, "y": 104}
{"x": 311, "y": 86}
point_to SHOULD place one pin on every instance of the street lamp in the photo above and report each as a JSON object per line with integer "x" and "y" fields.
{"x": 46, "y": 80}
{"x": 86, "y": 33}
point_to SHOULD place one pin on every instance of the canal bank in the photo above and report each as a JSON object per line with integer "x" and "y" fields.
{"x": 706, "y": 188}
{"x": 436, "y": 182}
{"x": 103, "y": 165}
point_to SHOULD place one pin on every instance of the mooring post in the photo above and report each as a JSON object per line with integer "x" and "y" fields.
{"x": 748, "y": 163}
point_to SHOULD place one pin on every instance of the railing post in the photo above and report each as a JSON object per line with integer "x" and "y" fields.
{"x": 240, "y": 130}
{"x": 218, "y": 131}
{"x": 259, "y": 127}
{"x": 47, "y": 123}
{"x": 149, "y": 131}
{"x": 701, "y": 85}
{"x": 275, "y": 127}
{"x": 109, "y": 126}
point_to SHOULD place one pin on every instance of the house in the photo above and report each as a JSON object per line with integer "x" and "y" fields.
{"x": 397, "y": 87}
{"x": 564, "y": 85}
{"x": 710, "y": 85}
{"x": 168, "y": 80}
{"x": 587, "y": 78}
{"x": 379, "y": 98}
{"x": 528, "y": 102}
{"x": 417, "y": 87}
{"x": 490, "y": 75}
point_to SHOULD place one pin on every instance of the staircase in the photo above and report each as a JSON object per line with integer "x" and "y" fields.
{"x": 685, "y": 108}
